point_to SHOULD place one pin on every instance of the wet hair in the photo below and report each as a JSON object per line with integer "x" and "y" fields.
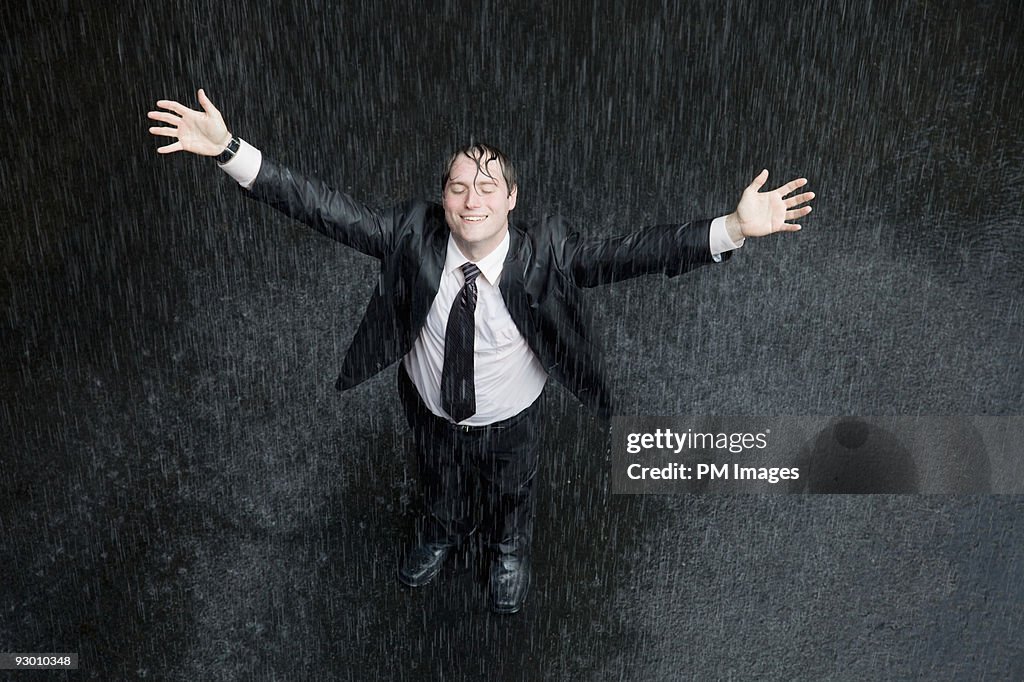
{"x": 482, "y": 154}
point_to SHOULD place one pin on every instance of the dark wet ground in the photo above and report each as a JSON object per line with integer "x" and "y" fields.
{"x": 184, "y": 496}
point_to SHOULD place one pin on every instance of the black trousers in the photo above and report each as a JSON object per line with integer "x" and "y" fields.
{"x": 476, "y": 477}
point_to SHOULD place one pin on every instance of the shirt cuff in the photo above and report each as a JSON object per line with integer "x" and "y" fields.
{"x": 244, "y": 166}
{"x": 720, "y": 241}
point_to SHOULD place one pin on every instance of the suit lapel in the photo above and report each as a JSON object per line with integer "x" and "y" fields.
{"x": 513, "y": 283}
{"x": 428, "y": 277}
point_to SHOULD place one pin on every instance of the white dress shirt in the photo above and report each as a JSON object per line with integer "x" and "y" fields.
{"x": 508, "y": 376}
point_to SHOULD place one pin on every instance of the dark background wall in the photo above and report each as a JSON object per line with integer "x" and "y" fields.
{"x": 184, "y": 496}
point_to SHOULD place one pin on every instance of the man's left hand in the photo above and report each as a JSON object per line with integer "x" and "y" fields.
{"x": 762, "y": 213}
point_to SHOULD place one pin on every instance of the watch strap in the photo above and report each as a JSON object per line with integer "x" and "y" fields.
{"x": 229, "y": 151}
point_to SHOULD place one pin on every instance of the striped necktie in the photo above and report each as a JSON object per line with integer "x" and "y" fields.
{"x": 458, "y": 390}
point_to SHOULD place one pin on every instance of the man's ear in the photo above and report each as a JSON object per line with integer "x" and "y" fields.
{"x": 513, "y": 195}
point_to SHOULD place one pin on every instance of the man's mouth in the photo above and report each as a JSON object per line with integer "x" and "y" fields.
{"x": 473, "y": 218}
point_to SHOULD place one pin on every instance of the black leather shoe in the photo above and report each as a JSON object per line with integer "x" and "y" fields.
{"x": 423, "y": 563}
{"x": 510, "y": 581}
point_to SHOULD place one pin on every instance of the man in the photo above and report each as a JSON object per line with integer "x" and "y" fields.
{"x": 480, "y": 313}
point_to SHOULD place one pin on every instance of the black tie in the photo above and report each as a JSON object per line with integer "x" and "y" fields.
{"x": 458, "y": 392}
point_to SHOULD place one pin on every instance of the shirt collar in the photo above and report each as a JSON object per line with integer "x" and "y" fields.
{"x": 490, "y": 265}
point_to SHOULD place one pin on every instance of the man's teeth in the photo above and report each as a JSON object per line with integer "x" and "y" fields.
{"x": 473, "y": 218}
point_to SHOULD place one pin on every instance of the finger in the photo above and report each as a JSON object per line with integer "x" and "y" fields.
{"x": 759, "y": 181}
{"x": 164, "y": 132}
{"x": 799, "y": 199}
{"x": 176, "y": 147}
{"x": 164, "y": 117}
{"x": 205, "y": 103}
{"x": 798, "y": 212}
{"x": 177, "y": 108}
{"x": 791, "y": 185}
{"x": 789, "y": 227}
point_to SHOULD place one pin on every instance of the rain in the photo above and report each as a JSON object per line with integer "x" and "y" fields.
{"x": 184, "y": 494}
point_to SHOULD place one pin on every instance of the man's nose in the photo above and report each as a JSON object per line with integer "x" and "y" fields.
{"x": 472, "y": 198}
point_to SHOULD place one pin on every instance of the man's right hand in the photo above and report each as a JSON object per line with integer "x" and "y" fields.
{"x": 200, "y": 132}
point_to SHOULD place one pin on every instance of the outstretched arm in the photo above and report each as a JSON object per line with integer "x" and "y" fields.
{"x": 307, "y": 199}
{"x": 200, "y": 132}
{"x": 763, "y": 213}
{"x": 674, "y": 249}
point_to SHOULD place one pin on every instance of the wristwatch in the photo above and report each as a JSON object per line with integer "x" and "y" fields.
{"x": 229, "y": 151}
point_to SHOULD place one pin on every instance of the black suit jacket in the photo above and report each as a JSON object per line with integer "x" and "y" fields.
{"x": 545, "y": 267}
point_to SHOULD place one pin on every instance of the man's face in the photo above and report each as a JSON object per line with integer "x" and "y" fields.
{"x": 476, "y": 206}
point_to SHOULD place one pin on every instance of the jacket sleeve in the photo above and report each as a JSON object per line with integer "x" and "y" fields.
{"x": 329, "y": 211}
{"x": 667, "y": 249}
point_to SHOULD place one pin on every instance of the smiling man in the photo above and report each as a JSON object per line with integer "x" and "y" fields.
{"x": 481, "y": 313}
{"x": 477, "y": 199}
